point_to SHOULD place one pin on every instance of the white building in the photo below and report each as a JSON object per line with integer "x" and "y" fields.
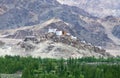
{"x": 89, "y": 44}
{"x": 74, "y": 38}
{"x": 58, "y": 33}
{"x": 52, "y": 30}
{"x": 99, "y": 47}
{"x": 68, "y": 34}
{"x": 83, "y": 41}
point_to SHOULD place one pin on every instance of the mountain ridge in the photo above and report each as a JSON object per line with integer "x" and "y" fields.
{"x": 30, "y": 17}
{"x": 99, "y": 8}
{"x": 58, "y": 23}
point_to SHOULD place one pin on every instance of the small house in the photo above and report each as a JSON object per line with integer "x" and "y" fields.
{"x": 83, "y": 41}
{"x": 90, "y": 44}
{"x": 51, "y": 30}
{"x": 99, "y": 47}
{"x": 59, "y": 33}
{"x": 68, "y": 34}
{"x": 74, "y": 38}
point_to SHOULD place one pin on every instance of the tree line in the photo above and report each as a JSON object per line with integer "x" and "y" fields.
{"x": 88, "y": 67}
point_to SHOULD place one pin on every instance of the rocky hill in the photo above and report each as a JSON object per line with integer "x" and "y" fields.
{"x": 51, "y": 45}
{"x": 25, "y": 13}
{"x": 33, "y": 17}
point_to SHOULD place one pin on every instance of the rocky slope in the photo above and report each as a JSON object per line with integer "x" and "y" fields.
{"x": 116, "y": 31}
{"x": 100, "y": 8}
{"x": 110, "y": 24}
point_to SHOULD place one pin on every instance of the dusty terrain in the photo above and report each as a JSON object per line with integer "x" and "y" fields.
{"x": 49, "y": 49}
